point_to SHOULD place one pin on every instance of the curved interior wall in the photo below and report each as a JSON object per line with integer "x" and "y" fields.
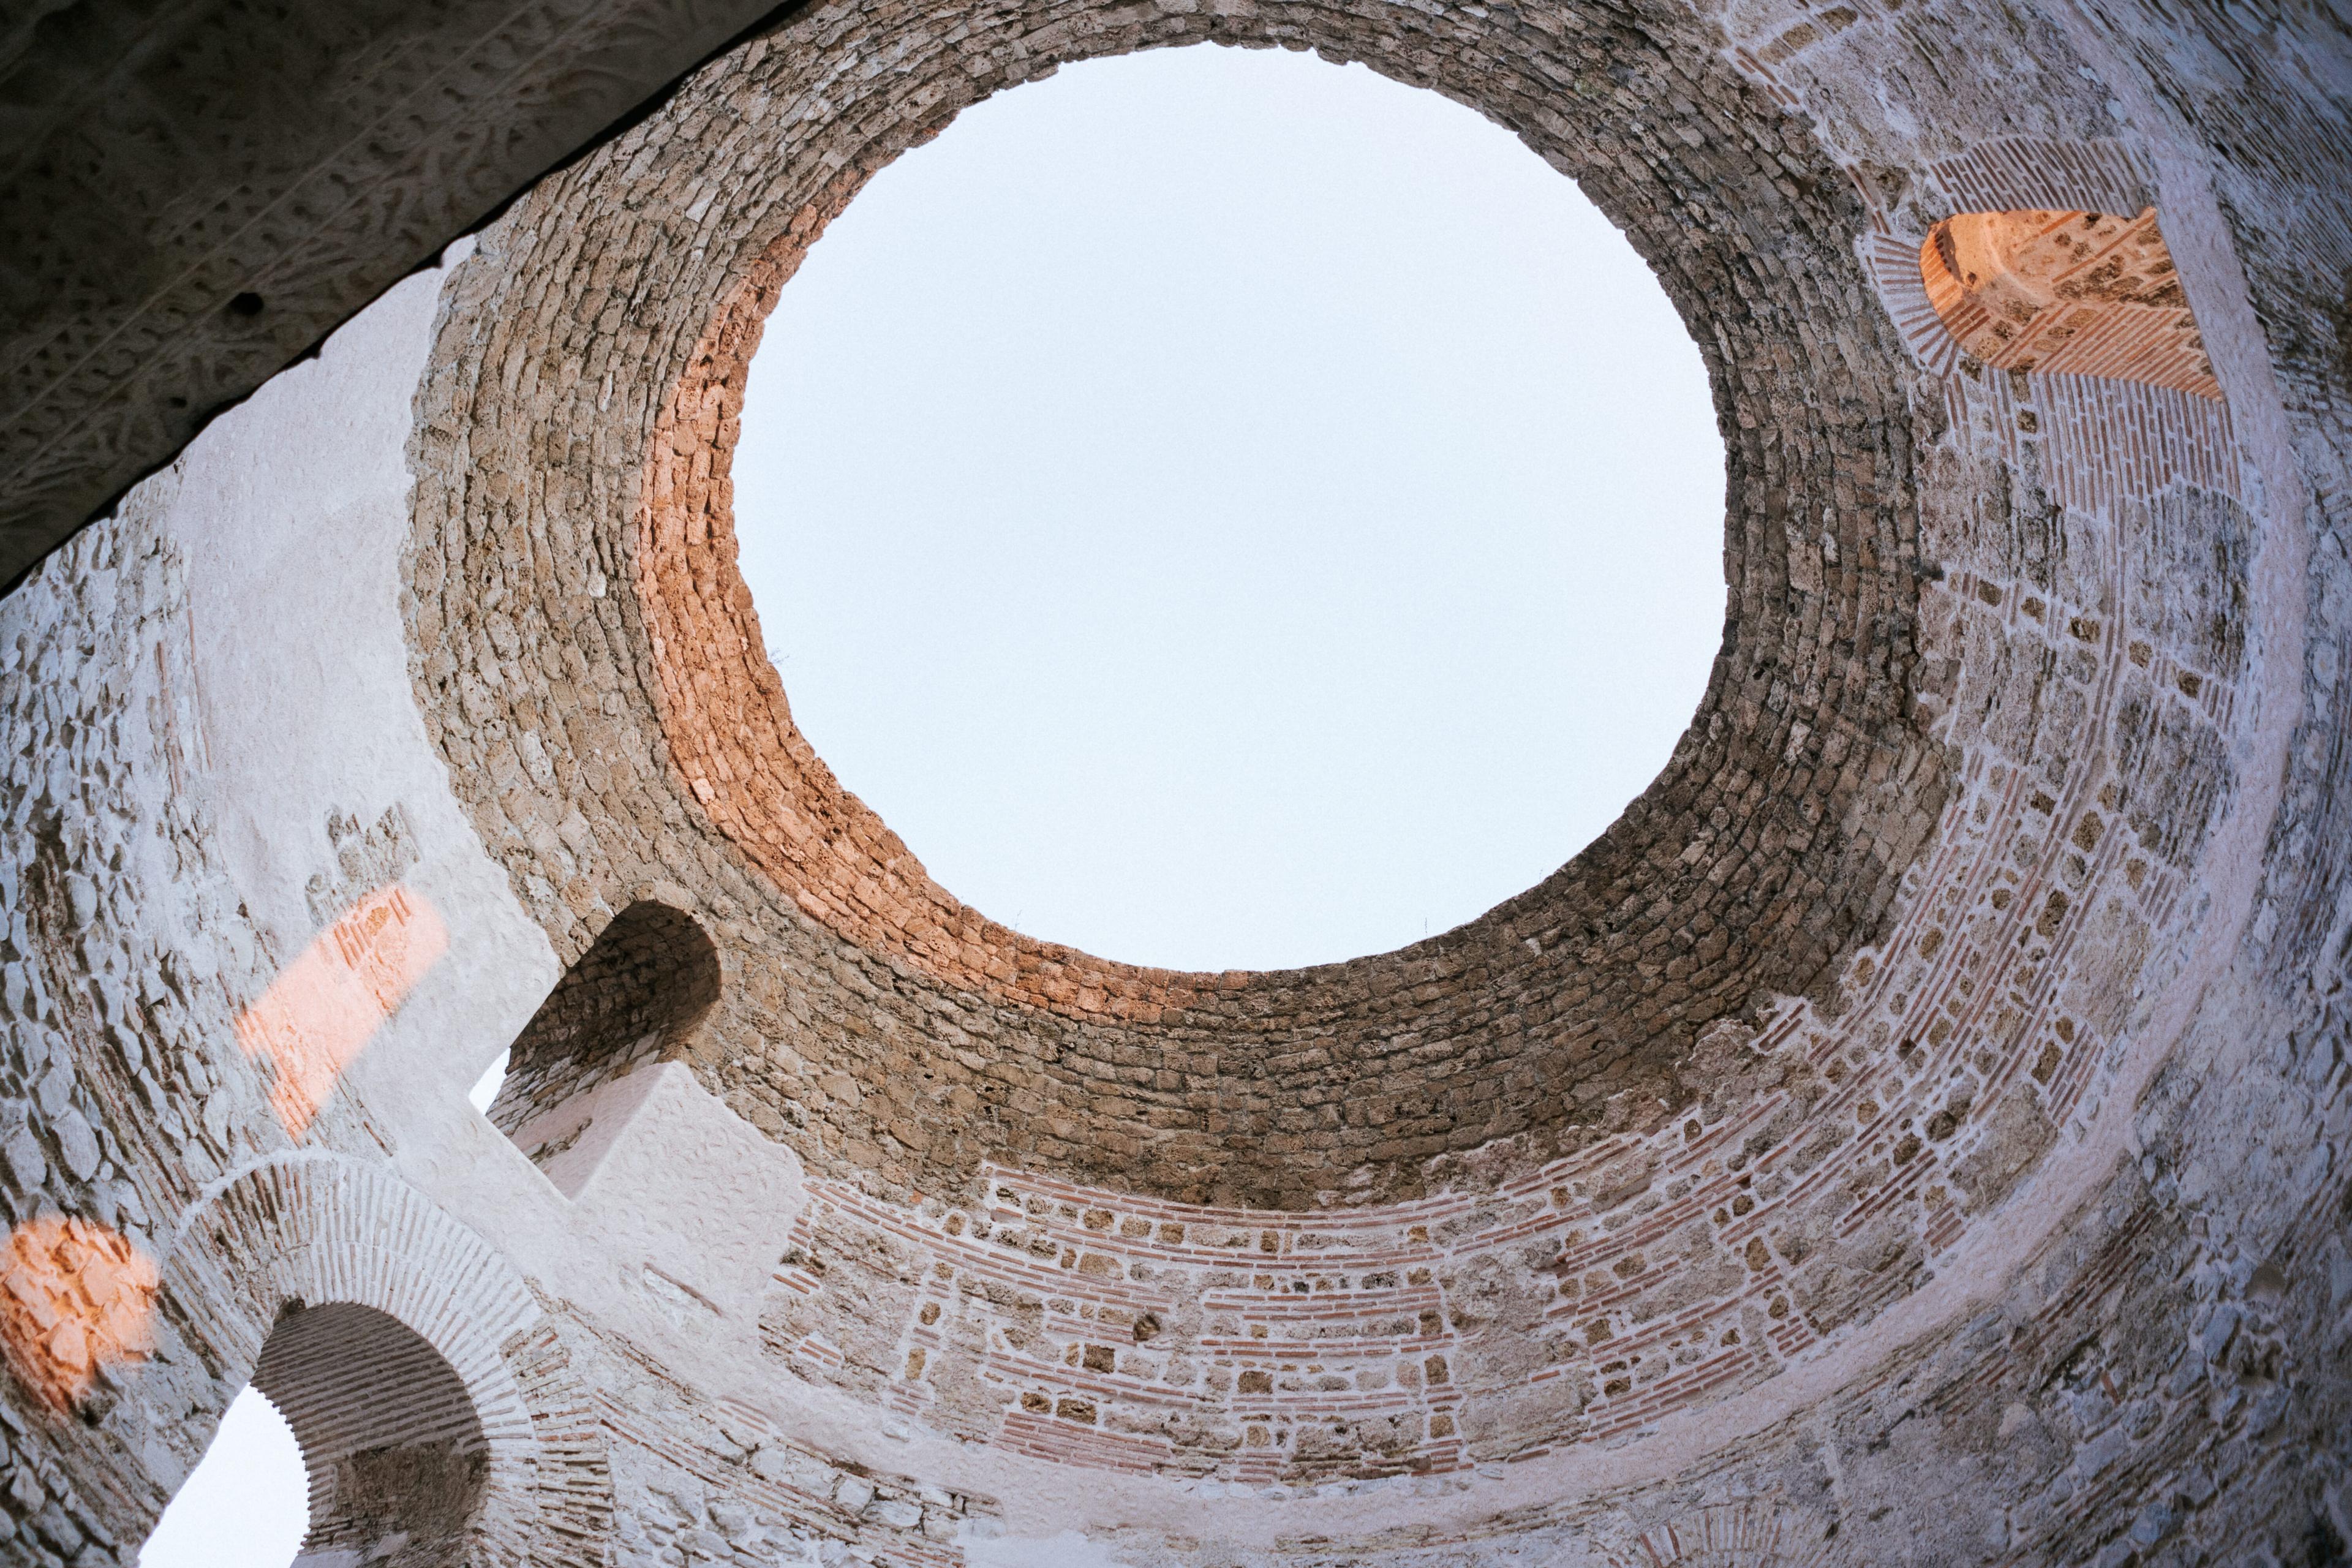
{"x": 1771, "y": 847}
{"x": 387, "y": 1432}
{"x": 640, "y": 989}
{"x": 1915, "y": 1128}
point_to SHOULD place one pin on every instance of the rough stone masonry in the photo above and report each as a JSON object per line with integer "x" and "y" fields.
{"x": 1916, "y": 1133}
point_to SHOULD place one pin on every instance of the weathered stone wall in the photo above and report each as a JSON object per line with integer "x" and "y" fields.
{"x": 1915, "y": 1132}
{"x": 574, "y": 579}
{"x": 236, "y": 1141}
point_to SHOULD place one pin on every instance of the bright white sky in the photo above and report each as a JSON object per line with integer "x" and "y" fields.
{"x": 1223, "y": 511}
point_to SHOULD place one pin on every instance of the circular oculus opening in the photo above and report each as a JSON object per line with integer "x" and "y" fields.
{"x": 1225, "y": 510}
{"x": 1774, "y": 838}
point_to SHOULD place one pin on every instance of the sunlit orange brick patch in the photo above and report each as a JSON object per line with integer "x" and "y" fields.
{"x": 73, "y": 1297}
{"x": 321, "y": 1013}
{"x": 2070, "y": 293}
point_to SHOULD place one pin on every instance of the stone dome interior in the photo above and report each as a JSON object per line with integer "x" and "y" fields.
{"x": 1913, "y": 1132}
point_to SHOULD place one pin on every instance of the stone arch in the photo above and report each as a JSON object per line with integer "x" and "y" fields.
{"x": 1752, "y": 1535}
{"x": 636, "y": 996}
{"x": 395, "y": 1452}
{"x": 2055, "y": 282}
{"x": 1848, "y": 973}
{"x": 428, "y": 1387}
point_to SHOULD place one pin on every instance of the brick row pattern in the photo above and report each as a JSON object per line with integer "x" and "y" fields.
{"x": 2073, "y": 292}
{"x": 2083, "y": 641}
{"x": 725, "y": 1481}
{"x": 388, "y": 1433}
{"x": 2094, "y": 626}
{"x": 124, "y": 1097}
{"x": 376, "y": 1324}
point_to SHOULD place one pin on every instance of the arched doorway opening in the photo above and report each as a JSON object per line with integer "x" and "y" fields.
{"x": 390, "y": 1450}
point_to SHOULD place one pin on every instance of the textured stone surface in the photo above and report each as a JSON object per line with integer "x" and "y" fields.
{"x": 1917, "y": 1133}
{"x": 1770, "y": 846}
{"x": 2069, "y": 293}
{"x": 638, "y": 992}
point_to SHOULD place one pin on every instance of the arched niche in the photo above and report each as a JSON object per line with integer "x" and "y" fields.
{"x": 2068, "y": 293}
{"x": 633, "y": 997}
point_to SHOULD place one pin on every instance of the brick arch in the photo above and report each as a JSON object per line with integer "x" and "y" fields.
{"x": 2098, "y": 296}
{"x": 1730, "y": 1535}
{"x": 2067, "y": 292}
{"x": 374, "y": 1320}
{"x": 388, "y": 1432}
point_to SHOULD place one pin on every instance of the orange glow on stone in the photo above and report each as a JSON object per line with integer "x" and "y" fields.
{"x": 2070, "y": 293}
{"x": 74, "y": 1296}
{"x": 321, "y": 1013}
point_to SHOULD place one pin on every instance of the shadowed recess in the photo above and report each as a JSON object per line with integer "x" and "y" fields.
{"x": 633, "y": 996}
{"x": 389, "y": 1435}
